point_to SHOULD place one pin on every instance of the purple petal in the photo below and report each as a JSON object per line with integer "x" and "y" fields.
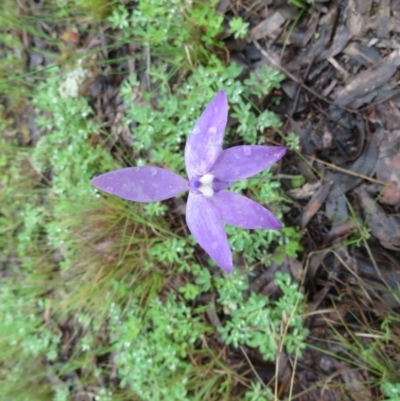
{"x": 203, "y": 145}
{"x": 241, "y": 162}
{"x": 205, "y": 224}
{"x": 239, "y": 211}
{"x": 141, "y": 184}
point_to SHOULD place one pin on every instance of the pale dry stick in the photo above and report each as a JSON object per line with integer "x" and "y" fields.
{"x": 188, "y": 55}
{"x": 148, "y": 58}
{"x": 320, "y": 312}
{"x": 131, "y": 61}
{"x": 146, "y": 49}
{"x": 330, "y": 87}
{"x": 367, "y": 335}
{"x": 292, "y": 378}
{"x": 276, "y": 367}
{"x": 339, "y": 68}
{"x": 296, "y": 355}
{"x": 349, "y": 172}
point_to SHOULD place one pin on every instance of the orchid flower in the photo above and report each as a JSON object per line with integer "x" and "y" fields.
{"x": 211, "y": 171}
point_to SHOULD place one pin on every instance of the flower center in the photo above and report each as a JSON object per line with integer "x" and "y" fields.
{"x": 207, "y": 185}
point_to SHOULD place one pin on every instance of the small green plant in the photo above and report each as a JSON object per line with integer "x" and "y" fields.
{"x": 11, "y": 66}
{"x": 256, "y": 321}
{"x": 289, "y": 244}
{"x": 391, "y": 390}
{"x": 258, "y": 393}
{"x": 119, "y": 18}
{"x": 302, "y": 4}
{"x": 293, "y": 142}
{"x": 173, "y": 28}
{"x": 152, "y": 348}
{"x": 238, "y": 27}
{"x": 262, "y": 82}
{"x": 25, "y": 336}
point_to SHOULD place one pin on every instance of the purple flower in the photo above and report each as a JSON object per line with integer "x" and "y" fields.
{"x": 211, "y": 171}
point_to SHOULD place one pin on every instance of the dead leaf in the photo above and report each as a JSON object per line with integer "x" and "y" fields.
{"x": 304, "y": 133}
{"x": 368, "y": 80}
{"x": 316, "y": 202}
{"x": 365, "y": 55}
{"x": 392, "y": 118}
{"x": 270, "y": 27}
{"x": 388, "y": 166}
{"x": 386, "y": 229}
{"x": 301, "y": 34}
{"x": 222, "y": 6}
{"x": 355, "y": 383}
{"x": 328, "y": 23}
{"x": 284, "y": 367}
{"x": 336, "y": 208}
{"x": 339, "y": 230}
{"x": 391, "y": 195}
{"x": 304, "y": 192}
{"x": 339, "y": 42}
{"x": 296, "y": 270}
{"x": 212, "y": 316}
{"x": 357, "y": 13}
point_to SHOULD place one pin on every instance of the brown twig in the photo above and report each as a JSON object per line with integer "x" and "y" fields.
{"x": 298, "y": 81}
{"x": 349, "y": 172}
